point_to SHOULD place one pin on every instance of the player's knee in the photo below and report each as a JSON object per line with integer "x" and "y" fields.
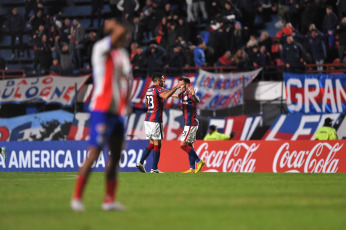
{"x": 150, "y": 146}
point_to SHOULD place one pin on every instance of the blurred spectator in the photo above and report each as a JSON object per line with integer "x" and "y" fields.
{"x": 115, "y": 12}
{"x": 96, "y": 9}
{"x": 65, "y": 54}
{"x": 139, "y": 60}
{"x": 239, "y": 36}
{"x": 225, "y": 60}
{"x": 156, "y": 58}
{"x": 16, "y": 26}
{"x": 65, "y": 31}
{"x": 199, "y": 5}
{"x": 161, "y": 32}
{"x": 190, "y": 16}
{"x": 266, "y": 55}
{"x": 316, "y": 48}
{"x": 266, "y": 41}
{"x": 149, "y": 19}
{"x": 133, "y": 49}
{"x": 128, "y": 8}
{"x": 171, "y": 36}
{"x": 176, "y": 59}
{"x": 88, "y": 46}
{"x": 330, "y": 21}
{"x": 137, "y": 30}
{"x": 45, "y": 54}
{"x": 240, "y": 60}
{"x": 341, "y": 8}
{"x": 341, "y": 29}
{"x": 199, "y": 55}
{"x": 311, "y": 13}
{"x": 77, "y": 34}
{"x": 327, "y": 131}
{"x": 252, "y": 42}
{"x": 231, "y": 12}
{"x": 183, "y": 29}
{"x": 37, "y": 20}
{"x": 32, "y": 5}
{"x": 37, "y": 39}
{"x": 214, "y": 135}
{"x": 248, "y": 9}
{"x": 293, "y": 56}
{"x": 256, "y": 58}
{"x": 55, "y": 67}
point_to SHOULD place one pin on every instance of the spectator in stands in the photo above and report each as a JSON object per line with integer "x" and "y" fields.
{"x": 128, "y": 8}
{"x": 37, "y": 20}
{"x": 161, "y": 32}
{"x": 225, "y": 60}
{"x": 199, "y": 55}
{"x": 239, "y": 36}
{"x": 45, "y": 54}
{"x": 16, "y": 26}
{"x": 252, "y": 42}
{"x": 88, "y": 46}
{"x": 96, "y": 9}
{"x": 137, "y": 30}
{"x": 65, "y": 31}
{"x": 37, "y": 39}
{"x": 316, "y": 48}
{"x": 190, "y": 16}
{"x": 171, "y": 36}
{"x": 326, "y": 132}
{"x": 248, "y": 9}
{"x": 256, "y": 58}
{"x": 330, "y": 21}
{"x": 139, "y": 60}
{"x": 32, "y": 5}
{"x": 240, "y": 60}
{"x": 311, "y": 13}
{"x": 115, "y": 12}
{"x": 266, "y": 56}
{"x": 52, "y": 33}
{"x": 149, "y": 19}
{"x": 55, "y": 67}
{"x": 77, "y": 34}
{"x": 176, "y": 59}
{"x": 65, "y": 54}
{"x": 214, "y": 135}
{"x": 342, "y": 8}
{"x": 183, "y": 29}
{"x": 293, "y": 56}
{"x": 199, "y": 5}
{"x": 266, "y": 41}
{"x": 341, "y": 29}
{"x": 156, "y": 58}
{"x": 134, "y": 50}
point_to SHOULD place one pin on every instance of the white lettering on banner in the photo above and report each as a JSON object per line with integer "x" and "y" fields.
{"x": 328, "y": 94}
{"x": 302, "y": 130}
{"x": 230, "y": 160}
{"x": 320, "y": 159}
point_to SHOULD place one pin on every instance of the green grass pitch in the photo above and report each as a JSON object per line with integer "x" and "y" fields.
{"x": 38, "y": 201}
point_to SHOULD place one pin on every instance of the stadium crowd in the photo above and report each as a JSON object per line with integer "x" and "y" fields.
{"x": 176, "y": 34}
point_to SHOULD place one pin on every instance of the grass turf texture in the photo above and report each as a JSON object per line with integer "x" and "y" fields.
{"x": 177, "y": 201}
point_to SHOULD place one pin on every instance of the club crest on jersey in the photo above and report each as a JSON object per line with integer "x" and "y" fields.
{"x": 160, "y": 90}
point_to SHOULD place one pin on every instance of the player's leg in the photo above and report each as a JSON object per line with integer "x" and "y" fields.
{"x": 157, "y": 137}
{"x": 148, "y": 135}
{"x": 192, "y": 160}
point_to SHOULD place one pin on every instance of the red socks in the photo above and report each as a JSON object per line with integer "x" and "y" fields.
{"x": 79, "y": 187}
{"x": 111, "y": 187}
{"x": 186, "y": 148}
{"x": 150, "y": 147}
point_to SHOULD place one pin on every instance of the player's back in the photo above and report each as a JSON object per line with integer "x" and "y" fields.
{"x": 155, "y": 104}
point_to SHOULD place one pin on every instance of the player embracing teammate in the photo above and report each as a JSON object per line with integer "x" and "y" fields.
{"x": 189, "y": 102}
{"x": 155, "y": 97}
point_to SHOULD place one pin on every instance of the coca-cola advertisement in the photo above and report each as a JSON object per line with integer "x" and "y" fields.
{"x": 259, "y": 156}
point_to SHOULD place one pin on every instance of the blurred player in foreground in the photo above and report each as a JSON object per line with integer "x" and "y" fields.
{"x": 109, "y": 105}
{"x": 153, "y": 120}
{"x": 3, "y": 153}
{"x": 189, "y": 102}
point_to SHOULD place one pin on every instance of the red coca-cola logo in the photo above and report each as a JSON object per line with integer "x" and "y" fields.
{"x": 236, "y": 159}
{"x": 321, "y": 158}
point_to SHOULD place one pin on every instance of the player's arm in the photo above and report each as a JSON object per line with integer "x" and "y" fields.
{"x": 175, "y": 95}
{"x": 167, "y": 94}
{"x": 117, "y": 32}
{"x": 193, "y": 94}
{"x": 146, "y": 103}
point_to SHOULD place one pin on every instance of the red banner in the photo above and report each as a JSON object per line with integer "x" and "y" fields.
{"x": 259, "y": 156}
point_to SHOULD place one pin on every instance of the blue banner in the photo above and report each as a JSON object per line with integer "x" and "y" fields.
{"x": 315, "y": 93}
{"x": 66, "y": 156}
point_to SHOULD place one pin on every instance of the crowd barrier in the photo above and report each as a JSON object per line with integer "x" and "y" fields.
{"x": 220, "y": 156}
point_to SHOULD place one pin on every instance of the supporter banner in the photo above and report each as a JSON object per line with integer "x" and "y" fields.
{"x": 315, "y": 93}
{"x": 80, "y": 127}
{"x": 243, "y": 126}
{"x": 297, "y": 127}
{"x": 259, "y": 156}
{"x": 65, "y": 156}
{"x": 54, "y": 125}
{"x": 221, "y": 90}
{"x": 51, "y": 89}
{"x": 141, "y": 84}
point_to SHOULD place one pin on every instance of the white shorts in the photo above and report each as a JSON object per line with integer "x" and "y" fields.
{"x": 189, "y": 134}
{"x": 153, "y": 130}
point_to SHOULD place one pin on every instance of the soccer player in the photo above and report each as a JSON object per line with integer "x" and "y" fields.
{"x": 189, "y": 102}
{"x": 153, "y": 120}
{"x": 3, "y": 153}
{"x": 109, "y": 105}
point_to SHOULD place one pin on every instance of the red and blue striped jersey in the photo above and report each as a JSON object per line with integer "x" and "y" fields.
{"x": 189, "y": 109}
{"x": 155, "y": 104}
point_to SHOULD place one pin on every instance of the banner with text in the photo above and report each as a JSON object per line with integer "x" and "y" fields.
{"x": 297, "y": 127}
{"x": 315, "y": 93}
{"x": 221, "y": 90}
{"x": 50, "y": 89}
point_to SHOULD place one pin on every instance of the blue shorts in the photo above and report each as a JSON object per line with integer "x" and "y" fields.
{"x": 104, "y": 126}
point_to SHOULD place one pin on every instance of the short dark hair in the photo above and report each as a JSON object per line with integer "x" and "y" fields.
{"x": 328, "y": 121}
{"x": 156, "y": 76}
{"x": 212, "y": 127}
{"x": 185, "y": 79}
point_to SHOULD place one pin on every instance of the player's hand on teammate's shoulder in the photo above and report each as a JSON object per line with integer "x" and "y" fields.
{"x": 192, "y": 90}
